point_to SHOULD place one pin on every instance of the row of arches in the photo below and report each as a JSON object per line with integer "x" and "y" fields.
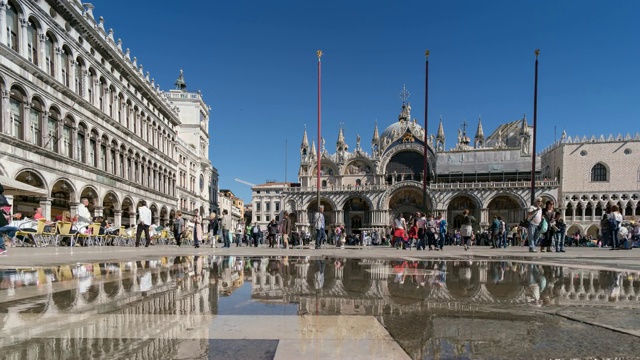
{"x": 84, "y": 142}
{"x": 63, "y": 194}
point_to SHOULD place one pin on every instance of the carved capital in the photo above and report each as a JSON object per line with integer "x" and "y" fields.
{"x": 85, "y": 73}
{"x": 24, "y": 22}
{"x": 59, "y": 51}
{"x": 3, "y": 5}
{"x": 42, "y": 37}
{"x": 5, "y": 94}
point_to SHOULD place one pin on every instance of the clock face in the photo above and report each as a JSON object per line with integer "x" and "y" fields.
{"x": 201, "y": 182}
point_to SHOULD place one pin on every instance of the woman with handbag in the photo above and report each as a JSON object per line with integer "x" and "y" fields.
{"x": 466, "y": 228}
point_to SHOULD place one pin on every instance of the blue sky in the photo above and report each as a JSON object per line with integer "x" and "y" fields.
{"x": 255, "y": 63}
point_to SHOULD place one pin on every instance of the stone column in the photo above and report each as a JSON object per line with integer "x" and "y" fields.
{"x": 132, "y": 218}
{"x": 584, "y": 211}
{"x": 72, "y": 74}
{"x": 58, "y": 64}
{"x": 83, "y": 84}
{"x": 57, "y": 139}
{"x": 116, "y": 162}
{"x": 98, "y": 211}
{"x": 3, "y": 21}
{"x": 117, "y": 218}
{"x": 26, "y": 122}
{"x": 107, "y": 158}
{"x": 339, "y": 217}
{"x": 6, "y": 124}
{"x": 74, "y": 141}
{"x": 484, "y": 216}
{"x": 41, "y": 52}
{"x": 45, "y": 204}
{"x": 23, "y": 37}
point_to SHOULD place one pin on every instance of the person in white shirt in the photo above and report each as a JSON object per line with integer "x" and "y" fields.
{"x": 144, "y": 221}
{"x": 534, "y": 216}
{"x": 83, "y": 212}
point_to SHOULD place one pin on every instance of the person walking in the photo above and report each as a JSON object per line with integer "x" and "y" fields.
{"x": 225, "y": 222}
{"x": 272, "y": 228}
{"x": 178, "y": 227}
{"x": 548, "y": 213}
{"x": 615, "y": 219}
{"x": 318, "y": 222}
{"x": 466, "y": 228}
{"x": 255, "y": 234}
{"x": 442, "y": 226}
{"x": 285, "y": 229}
{"x": 534, "y": 216}
{"x": 399, "y": 231}
{"x": 560, "y": 230}
{"x": 197, "y": 229}
{"x": 213, "y": 227}
{"x": 239, "y": 231}
{"x": 5, "y": 218}
{"x": 421, "y": 224}
{"x": 144, "y": 221}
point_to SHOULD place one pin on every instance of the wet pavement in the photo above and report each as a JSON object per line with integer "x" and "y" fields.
{"x": 285, "y": 307}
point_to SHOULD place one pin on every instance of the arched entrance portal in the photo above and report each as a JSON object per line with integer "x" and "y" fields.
{"x": 25, "y": 204}
{"x": 356, "y": 215}
{"x": 109, "y": 205}
{"x": 329, "y": 214}
{"x": 406, "y": 200}
{"x": 457, "y": 206}
{"x": 127, "y": 211}
{"x": 405, "y": 165}
{"x": 63, "y": 194}
{"x": 507, "y": 208}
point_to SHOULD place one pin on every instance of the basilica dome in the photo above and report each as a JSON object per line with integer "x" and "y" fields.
{"x": 399, "y": 128}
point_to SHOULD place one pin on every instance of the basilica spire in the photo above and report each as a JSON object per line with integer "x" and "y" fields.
{"x": 523, "y": 128}
{"x": 305, "y": 139}
{"x": 440, "y": 137}
{"x": 340, "y": 144}
{"x": 479, "y": 139}
{"x": 376, "y": 135}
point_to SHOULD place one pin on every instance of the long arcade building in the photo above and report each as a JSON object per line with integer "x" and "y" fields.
{"x": 80, "y": 117}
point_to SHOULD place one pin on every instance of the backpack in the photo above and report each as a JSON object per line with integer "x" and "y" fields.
{"x": 614, "y": 224}
{"x": 443, "y": 225}
{"x": 544, "y": 226}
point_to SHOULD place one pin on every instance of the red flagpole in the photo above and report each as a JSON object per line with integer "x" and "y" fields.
{"x": 319, "y": 168}
{"x": 426, "y": 124}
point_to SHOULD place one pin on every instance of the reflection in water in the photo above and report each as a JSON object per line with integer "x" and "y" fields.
{"x": 432, "y": 308}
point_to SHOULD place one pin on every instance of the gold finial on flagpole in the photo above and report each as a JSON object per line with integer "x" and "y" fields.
{"x": 537, "y": 52}
{"x": 426, "y": 53}
{"x": 319, "y": 53}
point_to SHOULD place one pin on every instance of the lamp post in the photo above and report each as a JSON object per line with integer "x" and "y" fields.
{"x": 425, "y": 178}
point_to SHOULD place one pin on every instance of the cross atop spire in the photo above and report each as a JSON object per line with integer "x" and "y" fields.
{"x": 404, "y": 94}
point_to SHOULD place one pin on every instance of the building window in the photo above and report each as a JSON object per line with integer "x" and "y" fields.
{"x": 81, "y": 145}
{"x": 258, "y": 206}
{"x": 65, "y": 68}
{"x": 52, "y": 127}
{"x": 257, "y": 217}
{"x": 267, "y": 207}
{"x": 66, "y": 136}
{"x": 267, "y": 218}
{"x": 34, "y": 117}
{"x": 16, "y": 117}
{"x": 92, "y": 152}
{"x": 277, "y": 203}
{"x": 12, "y": 27}
{"x": 598, "y": 172}
{"x": 32, "y": 42}
{"x": 49, "y": 56}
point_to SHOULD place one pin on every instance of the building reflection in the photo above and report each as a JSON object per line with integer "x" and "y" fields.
{"x": 140, "y": 309}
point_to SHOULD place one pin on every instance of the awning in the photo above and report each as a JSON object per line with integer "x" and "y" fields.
{"x": 15, "y": 187}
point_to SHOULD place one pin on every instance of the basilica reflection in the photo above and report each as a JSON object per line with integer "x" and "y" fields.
{"x": 142, "y": 309}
